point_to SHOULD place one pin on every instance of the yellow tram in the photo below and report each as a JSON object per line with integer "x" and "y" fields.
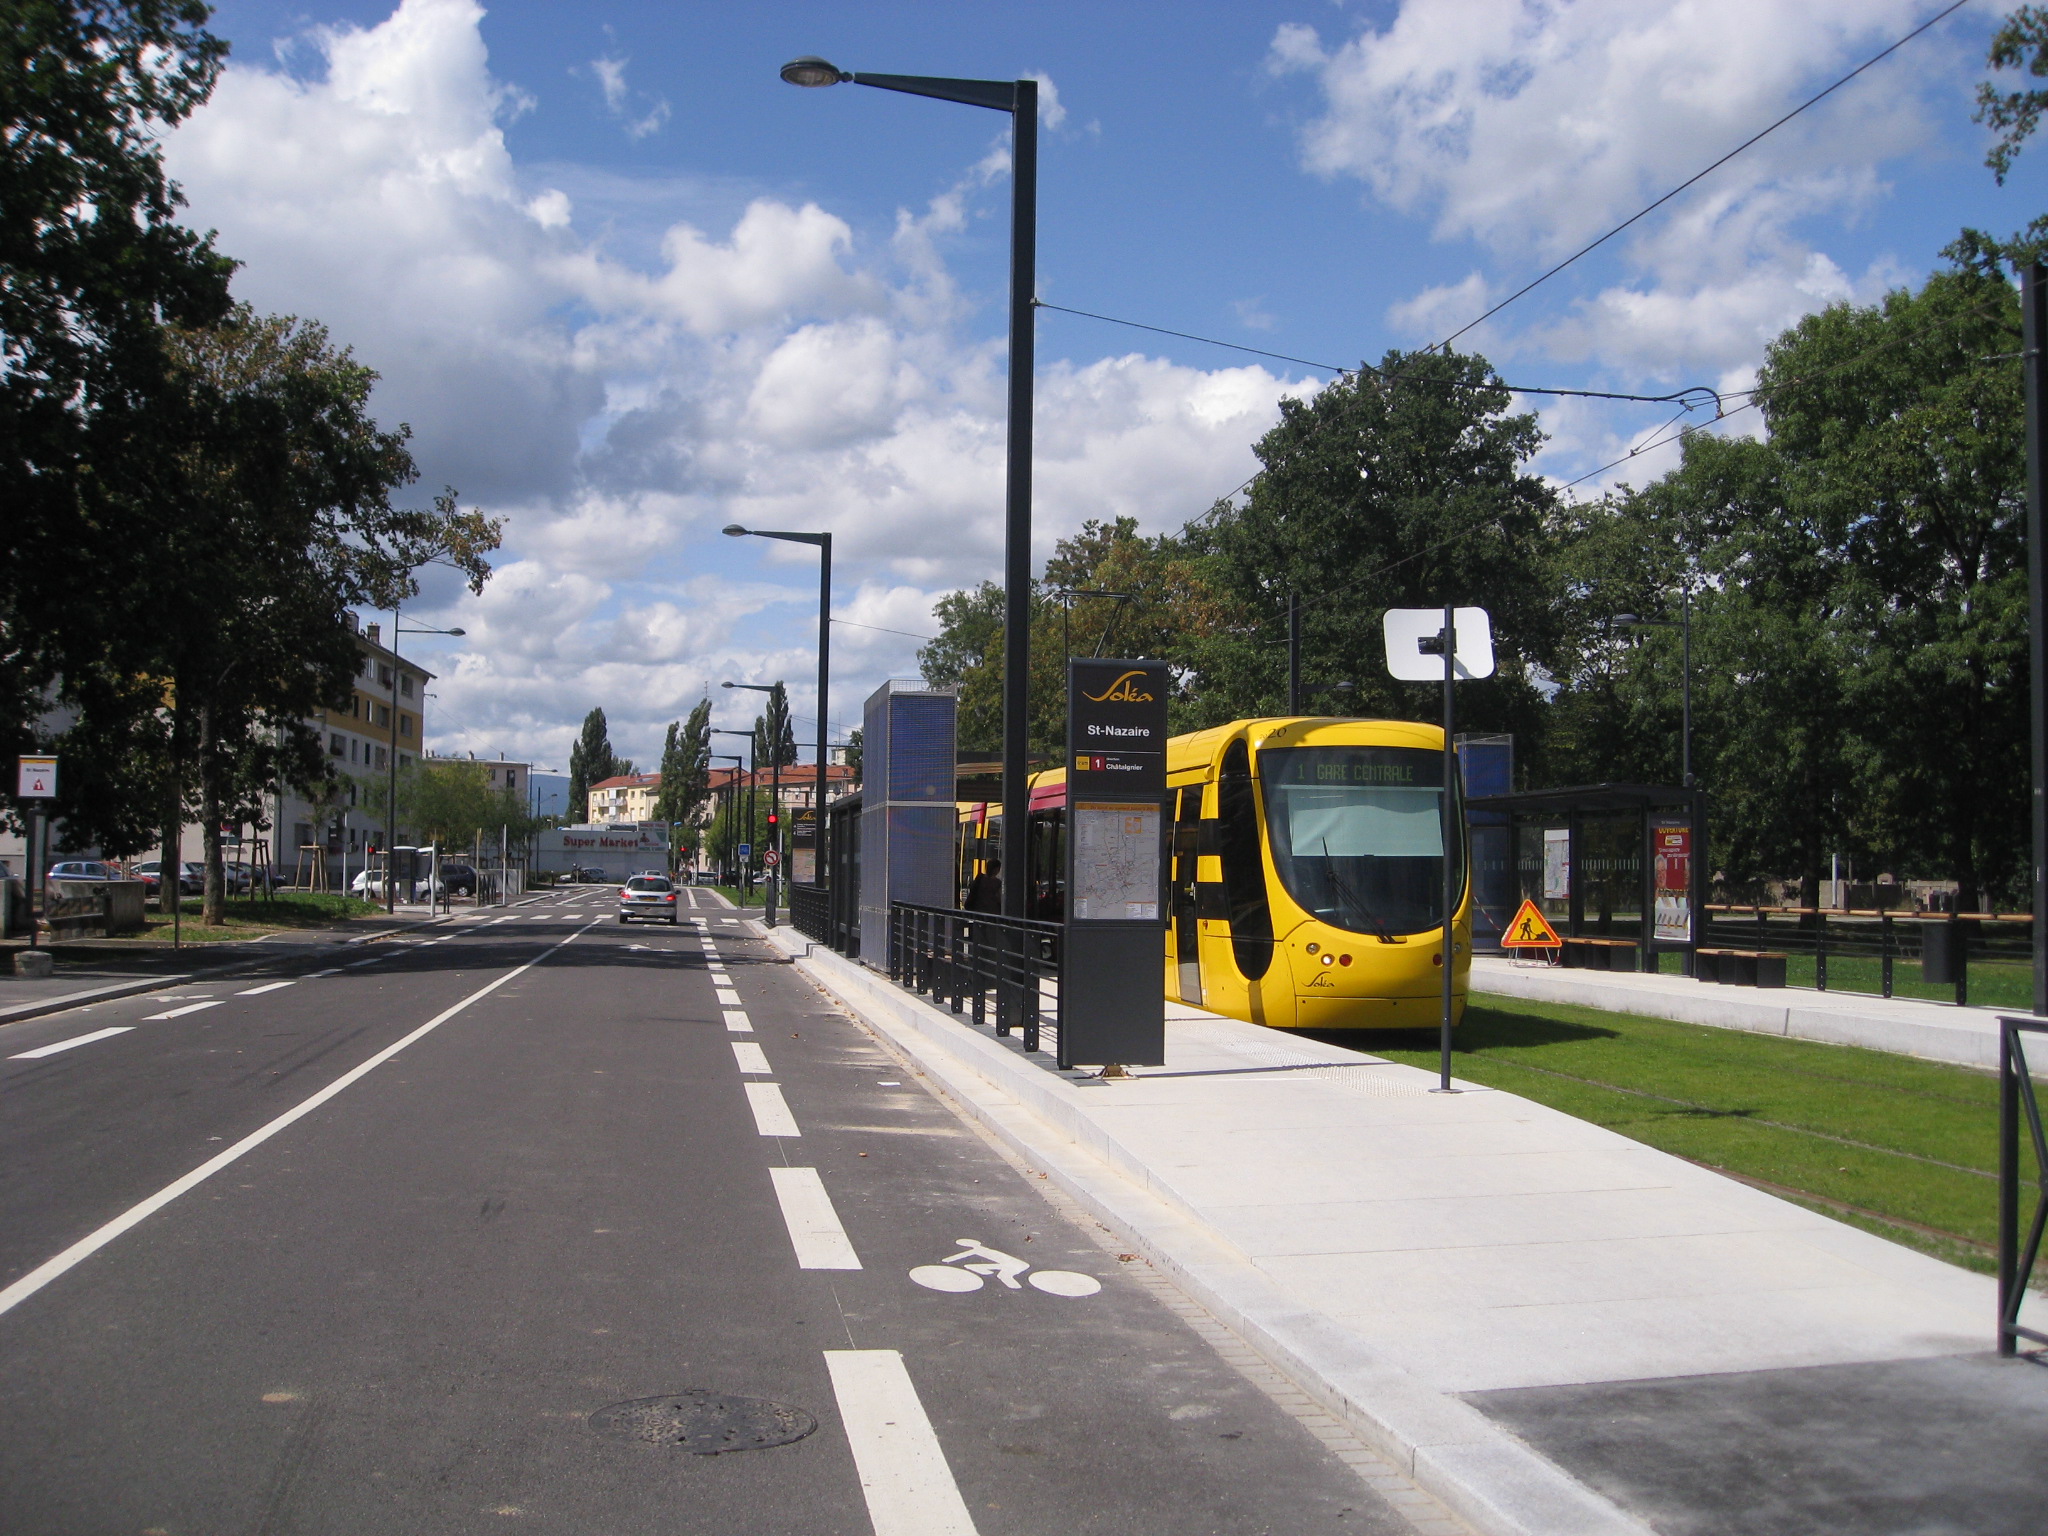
{"x": 1305, "y": 871}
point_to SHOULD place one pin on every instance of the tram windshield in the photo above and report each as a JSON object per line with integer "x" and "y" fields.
{"x": 1357, "y": 834}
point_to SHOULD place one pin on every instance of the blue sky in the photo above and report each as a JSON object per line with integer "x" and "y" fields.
{"x": 626, "y": 286}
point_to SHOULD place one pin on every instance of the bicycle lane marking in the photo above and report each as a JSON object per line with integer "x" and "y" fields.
{"x": 135, "y": 1215}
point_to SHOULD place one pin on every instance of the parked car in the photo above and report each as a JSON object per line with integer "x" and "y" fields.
{"x": 191, "y": 877}
{"x": 83, "y": 869}
{"x": 647, "y": 896}
{"x": 458, "y": 879}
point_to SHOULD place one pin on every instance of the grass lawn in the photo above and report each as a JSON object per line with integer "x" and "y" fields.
{"x": 250, "y": 917}
{"x": 1901, "y": 1147}
{"x": 732, "y": 894}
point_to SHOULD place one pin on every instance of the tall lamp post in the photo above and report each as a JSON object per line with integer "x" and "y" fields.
{"x": 738, "y": 763}
{"x": 753, "y": 773}
{"x": 391, "y": 783}
{"x": 1019, "y": 98}
{"x": 823, "y": 541}
{"x": 774, "y": 804}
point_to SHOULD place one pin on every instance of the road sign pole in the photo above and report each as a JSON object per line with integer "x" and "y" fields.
{"x": 1450, "y": 828}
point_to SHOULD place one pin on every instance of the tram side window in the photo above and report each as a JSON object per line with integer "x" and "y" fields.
{"x": 1244, "y": 874}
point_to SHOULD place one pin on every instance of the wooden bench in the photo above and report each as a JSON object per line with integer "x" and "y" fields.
{"x": 1583, "y": 952}
{"x": 1740, "y": 967}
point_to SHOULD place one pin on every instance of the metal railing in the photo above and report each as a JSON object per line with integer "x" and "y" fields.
{"x": 2017, "y": 1101}
{"x": 810, "y": 912}
{"x": 1887, "y": 954}
{"x": 965, "y": 959}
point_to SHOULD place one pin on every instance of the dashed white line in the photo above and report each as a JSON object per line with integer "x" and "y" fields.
{"x": 751, "y": 1057}
{"x": 178, "y": 1013}
{"x": 268, "y": 986}
{"x": 814, "y": 1227}
{"x": 771, "y": 1111}
{"x": 903, "y": 1472}
{"x": 737, "y": 1022}
{"x": 727, "y": 998}
{"x": 65, "y": 1045}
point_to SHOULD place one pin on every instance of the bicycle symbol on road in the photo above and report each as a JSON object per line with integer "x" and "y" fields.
{"x": 976, "y": 1260}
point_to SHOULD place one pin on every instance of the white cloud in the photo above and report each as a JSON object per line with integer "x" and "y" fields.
{"x": 778, "y": 371}
{"x": 1530, "y": 127}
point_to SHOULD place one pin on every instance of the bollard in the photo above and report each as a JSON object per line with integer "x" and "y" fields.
{"x": 34, "y": 962}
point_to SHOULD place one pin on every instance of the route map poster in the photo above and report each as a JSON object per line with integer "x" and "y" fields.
{"x": 1116, "y": 861}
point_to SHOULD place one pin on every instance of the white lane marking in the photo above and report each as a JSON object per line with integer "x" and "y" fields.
{"x": 737, "y": 1022}
{"x": 727, "y": 998}
{"x": 65, "y": 1045}
{"x": 903, "y": 1472}
{"x": 316, "y": 975}
{"x": 751, "y": 1057}
{"x": 771, "y": 1111}
{"x": 15, "y": 1294}
{"x": 268, "y": 986}
{"x": 814, "y": 1227}
{"x": 175, "y": 1013}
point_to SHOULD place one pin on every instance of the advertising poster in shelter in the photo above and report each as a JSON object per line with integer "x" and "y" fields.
{"x": 1671, "y": 845}
{"x": 1557, "y": 864}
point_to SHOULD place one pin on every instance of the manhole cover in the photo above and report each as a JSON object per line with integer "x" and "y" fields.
{"x": 703, "y": 1422}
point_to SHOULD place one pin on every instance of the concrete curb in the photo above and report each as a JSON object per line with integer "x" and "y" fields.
{"x": 1483, "y": 1473}
{"x": 21, "y": 1013}
{"x": 1963, "y": 1036}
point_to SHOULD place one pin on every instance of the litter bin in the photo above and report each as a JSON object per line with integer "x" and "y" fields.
{"x": 1944, "y": 954}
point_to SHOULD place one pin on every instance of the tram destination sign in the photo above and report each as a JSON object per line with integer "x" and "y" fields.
{"x": 1116, "y": 728}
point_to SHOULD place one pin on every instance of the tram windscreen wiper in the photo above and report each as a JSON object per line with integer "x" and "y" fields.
{"x": 1386, "y": 934}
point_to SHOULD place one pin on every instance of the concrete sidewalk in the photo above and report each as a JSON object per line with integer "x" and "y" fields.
{"x": 1907, "y": 1026}
{"x": 1552, "y": 1328}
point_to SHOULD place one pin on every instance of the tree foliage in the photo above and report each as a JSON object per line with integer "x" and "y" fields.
{"x": 685, "y": 777}
{"x": 774, "y": 731}
{"x": 591, "y": 761}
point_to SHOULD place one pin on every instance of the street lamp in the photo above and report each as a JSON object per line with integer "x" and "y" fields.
{"x": 753, "y": 773}
{"x": 774, "y": 803}
{"x": 1019, "y": 98}
{"x": 391, "y": 784}
{"x": 1684, "y": 626}
{"x": 738, "y": 763}
{"x": 823, "y": 541}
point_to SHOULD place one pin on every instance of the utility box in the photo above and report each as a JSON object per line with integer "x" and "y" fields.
{"x": 1944, "y": 952}
{"x": 909, "y": 745}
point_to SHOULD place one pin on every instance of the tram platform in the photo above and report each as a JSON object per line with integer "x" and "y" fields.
{"x": 1555, "y": 1330}
{"x": 1907, "y": 1026}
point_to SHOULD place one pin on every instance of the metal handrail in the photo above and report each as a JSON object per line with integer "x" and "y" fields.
{"x": 962, "y": 959}
{"x": 810, "y": 912}
{"x": 2017, "y": 1100}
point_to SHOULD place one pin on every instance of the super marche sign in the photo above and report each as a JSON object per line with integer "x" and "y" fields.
{"x": 38, "y": 779}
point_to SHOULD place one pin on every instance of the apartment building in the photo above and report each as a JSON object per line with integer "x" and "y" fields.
{"x": 385, "y": 715}
{"x": 627, "y": 798}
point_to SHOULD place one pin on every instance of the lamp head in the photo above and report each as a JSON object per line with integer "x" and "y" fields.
{"x": 455, "y": 631}
{"x": 725, "y": 685}
{"x": 810, "y": 70}
{"x": 1625, "y": 620}
{"x": 734, "y": 531}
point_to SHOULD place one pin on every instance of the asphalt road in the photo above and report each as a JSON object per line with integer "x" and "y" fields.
{"x": 373, "y": 1249}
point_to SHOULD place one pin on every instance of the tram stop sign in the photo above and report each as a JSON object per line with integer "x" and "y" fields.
{"x": 38, "y": 779}
{"x": 1112, "y": 1007}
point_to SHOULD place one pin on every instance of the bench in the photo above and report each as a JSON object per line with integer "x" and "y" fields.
{"x": 1740, "y": 967}
{"x": 1591, "y": 954}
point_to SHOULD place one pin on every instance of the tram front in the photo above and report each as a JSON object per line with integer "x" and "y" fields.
{"x": 1355, "y": 831}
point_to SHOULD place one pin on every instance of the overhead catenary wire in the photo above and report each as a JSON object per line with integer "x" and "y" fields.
{"x": 1380, "y": 373}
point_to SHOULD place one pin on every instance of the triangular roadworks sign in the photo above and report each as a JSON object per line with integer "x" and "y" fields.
{"x": 1530, "y": 930}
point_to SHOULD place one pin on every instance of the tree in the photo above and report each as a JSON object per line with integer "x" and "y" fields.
{"x": 281, "y": 489}
{"x": 591, "y": 761}
{"x": 853, "y": 745}
{"x": 2021, "y": 42}
{"x": 685, "y": 774}
{"x": 1403, "y": 487}
{"x": 1166, "y": 604}
{"x": 92, "y": 262}
{"x": 775, "y": 732}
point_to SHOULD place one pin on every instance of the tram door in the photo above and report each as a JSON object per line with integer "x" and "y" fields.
{"x": 1187, "y": 942}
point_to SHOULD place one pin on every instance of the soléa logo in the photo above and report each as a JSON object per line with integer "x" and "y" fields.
{"x": 1122, "y": 691}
